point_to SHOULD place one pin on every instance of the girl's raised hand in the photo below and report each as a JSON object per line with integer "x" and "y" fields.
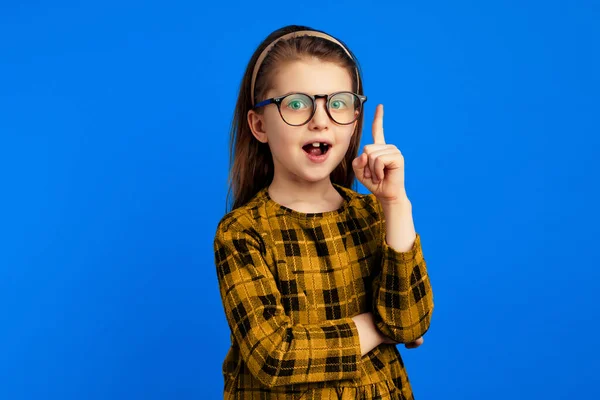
{"x": 380, "y": 168}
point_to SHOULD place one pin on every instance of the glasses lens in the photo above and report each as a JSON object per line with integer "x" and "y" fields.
{"x": 296, "y": 109}
{"x": 344, "y": 107}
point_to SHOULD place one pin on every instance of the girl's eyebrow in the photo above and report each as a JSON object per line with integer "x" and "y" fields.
{"x": 288, "y": 93}
{"x": 299, "y": 91}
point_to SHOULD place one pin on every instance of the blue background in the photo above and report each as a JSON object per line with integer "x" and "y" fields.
{"x": 114, "y": 127}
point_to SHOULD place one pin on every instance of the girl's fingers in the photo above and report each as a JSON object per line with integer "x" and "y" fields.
{"x": 379, "y": 168}
{"x": 359, "y": 164}
{"x": 415, "y": 344}
{"x": 372, "y": 168}
{"x": 377, "y": 127}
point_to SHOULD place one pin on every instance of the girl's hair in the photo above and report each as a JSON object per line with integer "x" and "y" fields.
{"x": 251, "y": 161}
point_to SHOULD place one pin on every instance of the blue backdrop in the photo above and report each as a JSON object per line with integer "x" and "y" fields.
{"x": 114, "y": 127}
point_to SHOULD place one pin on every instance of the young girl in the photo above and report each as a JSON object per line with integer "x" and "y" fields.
{"x": 318, "y": 282}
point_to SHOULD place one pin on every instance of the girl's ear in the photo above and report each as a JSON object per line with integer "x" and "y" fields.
{"x": 256, "y": 123}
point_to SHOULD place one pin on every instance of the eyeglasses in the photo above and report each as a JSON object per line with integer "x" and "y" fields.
{"x": 297, "y": 109}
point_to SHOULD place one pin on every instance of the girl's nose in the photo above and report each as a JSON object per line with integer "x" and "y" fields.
{"x": 320, "y": 120}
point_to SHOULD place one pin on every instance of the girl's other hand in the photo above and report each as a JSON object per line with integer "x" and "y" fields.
{"x": 411, "y": 345}
{"x": 415, "y": 344}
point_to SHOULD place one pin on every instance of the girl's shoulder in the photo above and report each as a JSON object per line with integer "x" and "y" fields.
{"x": 361, "y": 201}
{"x": 244, "y": 217}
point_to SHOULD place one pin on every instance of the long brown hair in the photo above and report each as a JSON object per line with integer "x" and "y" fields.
{"x": 250, "y": 161}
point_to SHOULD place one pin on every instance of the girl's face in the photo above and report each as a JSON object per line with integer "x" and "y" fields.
{"x": 286, "y": 142}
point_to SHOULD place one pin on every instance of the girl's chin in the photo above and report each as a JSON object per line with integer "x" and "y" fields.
{"x": 317, "y": 176}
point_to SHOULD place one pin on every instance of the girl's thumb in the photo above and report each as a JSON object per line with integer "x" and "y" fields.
{"x": 358, "y": 164}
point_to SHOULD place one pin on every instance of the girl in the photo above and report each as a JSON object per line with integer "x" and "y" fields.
{"x": 318, "y": 282}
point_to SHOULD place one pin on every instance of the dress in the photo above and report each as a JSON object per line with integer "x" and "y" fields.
{"x": 290, "y": 283}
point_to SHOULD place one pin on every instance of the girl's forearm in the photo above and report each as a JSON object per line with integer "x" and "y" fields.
{"x": 399, "y": 224}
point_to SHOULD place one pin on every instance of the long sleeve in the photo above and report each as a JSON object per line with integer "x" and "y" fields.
{"x": 402, "y": 294}
{"x": 276, "y": 351}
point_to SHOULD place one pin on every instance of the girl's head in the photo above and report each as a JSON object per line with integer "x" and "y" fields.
{"x": 267, "y": 137}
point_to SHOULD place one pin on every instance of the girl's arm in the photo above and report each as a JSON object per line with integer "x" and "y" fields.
{"x": 276, "y": 351}
{"x": 403, "y": 299}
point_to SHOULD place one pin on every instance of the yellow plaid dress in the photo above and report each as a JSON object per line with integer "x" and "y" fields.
{"x": 290, "y": 283}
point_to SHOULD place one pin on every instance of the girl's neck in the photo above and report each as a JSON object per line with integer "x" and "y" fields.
{"x": 307, "y": 198}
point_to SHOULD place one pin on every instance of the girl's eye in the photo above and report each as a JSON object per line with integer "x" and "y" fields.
{"x": 338, "y": 104}
{"x": 296, "y": 104}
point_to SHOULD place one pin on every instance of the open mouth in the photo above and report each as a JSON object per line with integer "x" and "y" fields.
{"x": 316, "y": 149}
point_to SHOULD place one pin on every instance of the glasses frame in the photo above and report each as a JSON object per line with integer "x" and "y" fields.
{"x": 278, "y": 100}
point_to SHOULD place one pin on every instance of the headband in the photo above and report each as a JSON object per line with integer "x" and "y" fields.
{"x": 264, "y": 53}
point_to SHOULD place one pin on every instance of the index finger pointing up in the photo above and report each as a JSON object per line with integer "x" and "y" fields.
{"x": 378, "y": 126}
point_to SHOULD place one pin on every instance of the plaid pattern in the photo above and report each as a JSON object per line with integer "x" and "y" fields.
{"x": 290, "y": 283}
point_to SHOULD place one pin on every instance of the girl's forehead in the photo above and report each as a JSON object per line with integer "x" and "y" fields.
{"x": 310, "y": 76}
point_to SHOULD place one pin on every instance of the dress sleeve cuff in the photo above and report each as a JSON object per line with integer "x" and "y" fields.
{"x": 395, "y": 256}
